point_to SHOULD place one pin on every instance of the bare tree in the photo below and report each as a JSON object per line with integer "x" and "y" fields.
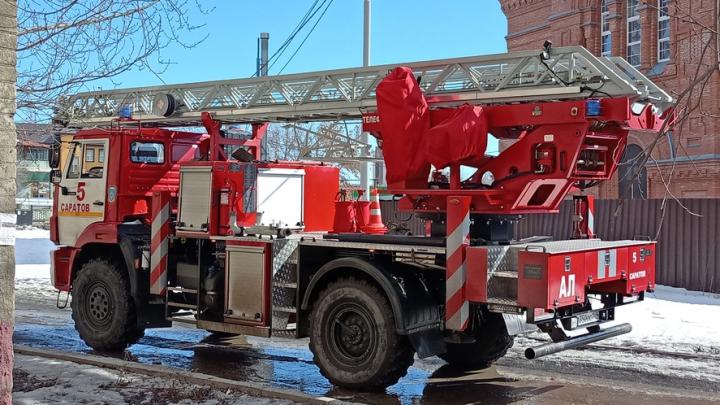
{"x": 335, "y": 141}
{"x": 60, "y": 47}
{"x": 7, "y": 193}
{"x": 64, "y": 46}
{"x": 700, "y": 49}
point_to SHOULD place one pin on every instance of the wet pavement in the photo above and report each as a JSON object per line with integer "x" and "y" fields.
{"x": 287, "y": 363}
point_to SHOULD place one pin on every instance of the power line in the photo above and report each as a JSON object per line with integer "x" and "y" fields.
{"x": 314, "y": 8}
{"x": 306, "y": 36}
{"x": 306, "y": 19}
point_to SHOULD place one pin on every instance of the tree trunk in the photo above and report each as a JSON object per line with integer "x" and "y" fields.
{"x": 8, "y": 140}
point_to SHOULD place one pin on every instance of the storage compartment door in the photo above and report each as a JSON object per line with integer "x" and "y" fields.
{"x": 280, "y": 196}
{"x": 195, "y": 198}
{"x": 247, "y": 285}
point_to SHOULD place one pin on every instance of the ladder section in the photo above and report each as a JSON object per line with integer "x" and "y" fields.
{"x": 560, "y": 73}
{"x": 285, "y": 287}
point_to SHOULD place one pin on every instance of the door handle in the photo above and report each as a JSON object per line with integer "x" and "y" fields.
{"x": 98, "y": 202}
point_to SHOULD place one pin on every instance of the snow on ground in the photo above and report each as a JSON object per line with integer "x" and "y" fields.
{"x": 46, "y": 381}
{"x": 675, "y": 320}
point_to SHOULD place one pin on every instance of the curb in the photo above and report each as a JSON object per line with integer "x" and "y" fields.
{"x": 249, "y": 388}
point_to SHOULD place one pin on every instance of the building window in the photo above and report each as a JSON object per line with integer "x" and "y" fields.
{"x": 605, "y": 34}
{"x": 693, "y": 142}
{"x": 663, "y": 31}
{"x": 35, "y": 154}
{"x": 633, "y": 32}
{"x": 632, "y": 178}
{"x": 89, "y": 154}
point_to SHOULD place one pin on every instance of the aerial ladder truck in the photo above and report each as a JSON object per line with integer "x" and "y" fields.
{"x": 157, "y": 223}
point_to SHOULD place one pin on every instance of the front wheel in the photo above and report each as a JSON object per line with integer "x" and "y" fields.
{"x": 103, "y": 308}
{"x": 353, "y": 339}
{"x": 491, "y": 343}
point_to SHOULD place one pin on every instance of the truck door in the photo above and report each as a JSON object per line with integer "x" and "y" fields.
{"x": 81, "y": 200}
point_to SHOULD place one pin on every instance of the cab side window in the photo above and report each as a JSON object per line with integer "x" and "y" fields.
{"x": 147, "y": 152}
{"x": 73, "y": 171}
{"x": 85, "y": 161}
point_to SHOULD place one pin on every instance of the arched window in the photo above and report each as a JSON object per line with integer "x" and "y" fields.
{"x": 633, "y": 32}
{"x": 605, "y": 34}
{"x": 629, "y": 186}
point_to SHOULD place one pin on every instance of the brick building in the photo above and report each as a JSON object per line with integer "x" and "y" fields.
{"x": 665, "y": 39}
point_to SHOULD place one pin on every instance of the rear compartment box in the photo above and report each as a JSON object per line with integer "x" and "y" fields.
{"x": 558, "y": 274}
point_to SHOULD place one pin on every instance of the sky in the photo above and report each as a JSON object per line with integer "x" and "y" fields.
{"x": 402, "y": 31}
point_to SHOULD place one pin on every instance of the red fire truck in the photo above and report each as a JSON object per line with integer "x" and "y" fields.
{"x": 158, "y": 223}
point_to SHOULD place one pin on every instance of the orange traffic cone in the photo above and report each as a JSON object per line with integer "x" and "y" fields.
{"x": 375, "y": 226}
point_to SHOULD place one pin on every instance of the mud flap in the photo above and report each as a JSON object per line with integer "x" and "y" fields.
{"x": 516, "y": 325}
{"x": 428, "y": 343}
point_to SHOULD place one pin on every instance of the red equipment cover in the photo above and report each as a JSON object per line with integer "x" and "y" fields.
{"x": 460, "y": 139}
{"x": 404, "y": 118}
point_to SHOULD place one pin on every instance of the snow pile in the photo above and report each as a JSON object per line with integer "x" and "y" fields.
{"x": 45, "y": 381}
{"x": 674, "y": 320}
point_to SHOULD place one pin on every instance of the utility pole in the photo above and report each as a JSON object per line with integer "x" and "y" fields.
{"x": 365, "y": 174}
{"x": 262, "y": 62}
{"x": 262, "y": 71}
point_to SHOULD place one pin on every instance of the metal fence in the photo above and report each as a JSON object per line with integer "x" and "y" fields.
{"x": 688, "y": 251}
{"x": 38, "y": 216}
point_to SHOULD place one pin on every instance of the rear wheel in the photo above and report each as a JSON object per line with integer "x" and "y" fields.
{"x": 102, "y": 307}
{"x": 353, "y": 339}
{"x": 491, "y": 343}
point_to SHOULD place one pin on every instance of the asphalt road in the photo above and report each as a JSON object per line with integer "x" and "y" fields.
{"x": 577, "y": 377}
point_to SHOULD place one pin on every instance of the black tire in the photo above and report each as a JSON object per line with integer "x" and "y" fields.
{"x": 102, "y": 307}
{"x": 353, "y": 339}
{"x": 491, "y": 343}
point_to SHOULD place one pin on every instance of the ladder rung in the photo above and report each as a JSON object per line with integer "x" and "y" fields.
{"x": 183, "y": 320}
{"x": 182, "y": 290}
{"x": 291, "y": 310}
{"x": 504, "y": 274}
{"x": 181, "y": 305}
{"x": 285, "y": 285}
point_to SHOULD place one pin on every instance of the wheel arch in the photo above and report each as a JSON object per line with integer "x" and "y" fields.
{"x": 120, "y": 244}
{"x": 115, "y": 252}
{"x": 333, "y": 270}
{"x": 414, "y": 309}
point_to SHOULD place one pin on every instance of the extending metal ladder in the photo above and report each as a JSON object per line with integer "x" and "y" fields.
{"x": 560, "y": 73}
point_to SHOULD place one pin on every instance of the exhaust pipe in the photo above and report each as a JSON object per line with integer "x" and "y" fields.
{"x": 582, "y": 340}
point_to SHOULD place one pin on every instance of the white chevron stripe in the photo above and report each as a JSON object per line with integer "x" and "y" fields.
{"x": 159, "y": 252}
{"x": 160, "y": 219}
{"x": 458, "y": 319}
{"x": 458, "y": 236}
{"x": 455, "y": 282}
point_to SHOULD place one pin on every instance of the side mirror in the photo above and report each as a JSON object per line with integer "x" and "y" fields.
{"x": 54, "y": 157}
{"x": 55, "y": 176}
